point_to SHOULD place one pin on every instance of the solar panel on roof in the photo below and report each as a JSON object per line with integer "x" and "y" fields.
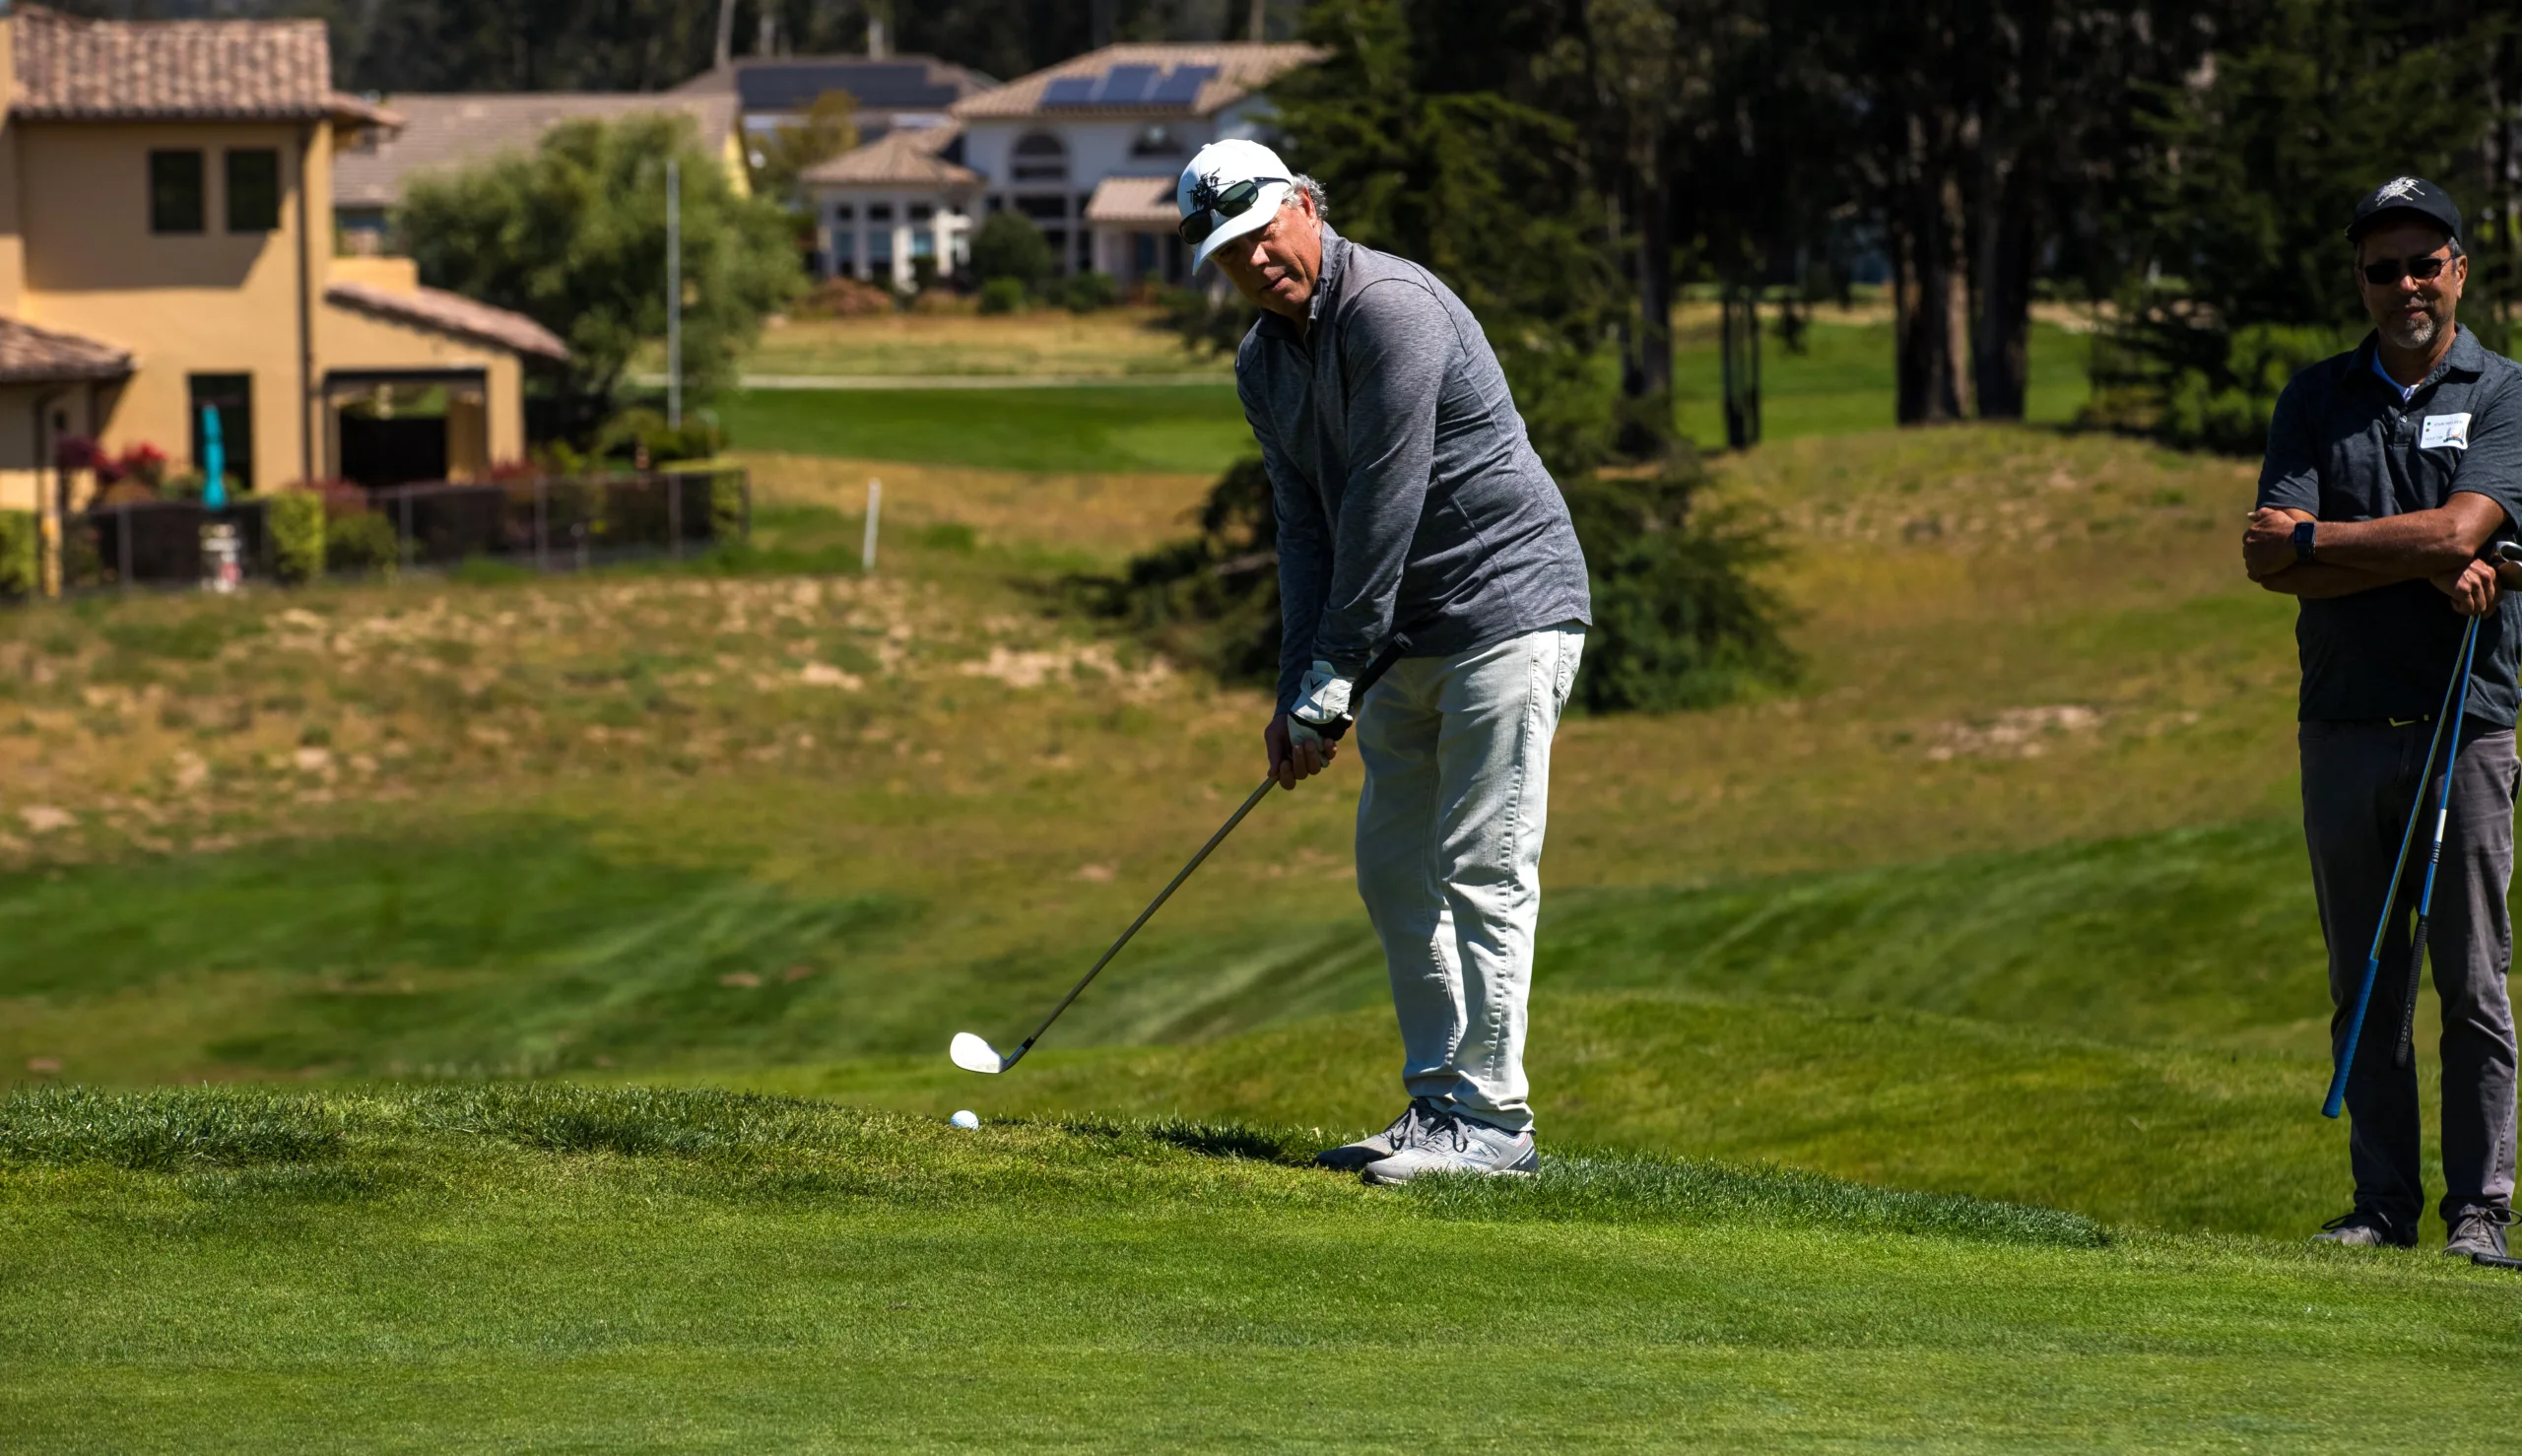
{"x": 1181, "y": 86}
{"x": 1125, "y": 86}
{"x": 1068, "y": 91}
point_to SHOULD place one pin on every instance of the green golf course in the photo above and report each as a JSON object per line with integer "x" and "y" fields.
{"x": 476, "y": 1012}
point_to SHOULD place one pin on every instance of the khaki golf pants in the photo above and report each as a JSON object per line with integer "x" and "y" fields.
{"x": 1449, "y": 835}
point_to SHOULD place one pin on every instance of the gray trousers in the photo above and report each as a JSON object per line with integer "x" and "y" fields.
{"x": 2359, "y": 780}
{"x": 1449, "y": 833}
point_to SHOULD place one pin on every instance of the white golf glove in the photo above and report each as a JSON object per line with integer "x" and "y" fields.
{"x": 1322, "y": 697}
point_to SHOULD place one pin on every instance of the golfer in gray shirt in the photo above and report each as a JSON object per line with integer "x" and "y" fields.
{"x": 2390, "y": 470}
{"x": 1408, "y": 501}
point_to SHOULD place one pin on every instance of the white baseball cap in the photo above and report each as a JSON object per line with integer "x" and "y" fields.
{"x": 1219, "y": 168}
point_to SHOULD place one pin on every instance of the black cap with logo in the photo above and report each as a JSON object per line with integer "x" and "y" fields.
{"x": 2413, "y": 195}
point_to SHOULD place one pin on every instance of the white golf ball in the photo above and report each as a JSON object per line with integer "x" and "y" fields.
{"x": 966, "y": 1118}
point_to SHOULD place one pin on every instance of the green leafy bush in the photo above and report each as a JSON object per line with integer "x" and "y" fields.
{"x": 1088, "y": 291}
{"x": 1678, "y": 620}
{"x": 19, "y": 569}
{"x": 1205, "y": 324}
{"x": 1004, "y": 295}
{"x": 634, "y": 431}
{"x": 2200, "y": 387}
{"x": 1009, "y": 245}
{"x": 294, "y": 523}
{"x": 362, "y": 541}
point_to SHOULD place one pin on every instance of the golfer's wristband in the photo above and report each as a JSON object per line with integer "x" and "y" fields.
{"x": 2303, "y": 542}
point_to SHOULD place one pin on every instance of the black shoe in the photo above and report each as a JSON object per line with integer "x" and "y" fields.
{"x": 2477, "y": 1233}
{"x": 2364, "y": 1229}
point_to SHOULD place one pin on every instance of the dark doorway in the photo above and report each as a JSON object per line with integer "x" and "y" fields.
{"x": 393, "y": 452}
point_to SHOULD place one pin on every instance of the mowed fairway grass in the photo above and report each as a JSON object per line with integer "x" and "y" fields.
{"x": 1928, "y": 1052}
{"x": 1838, "y": 384}
{"x": 490, "y": 1268}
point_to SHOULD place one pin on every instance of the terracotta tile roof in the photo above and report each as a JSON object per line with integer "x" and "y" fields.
{"x": 1241, "y": 68}
{"x": 453, "y": 130}
{"x": 71, "y": 69}
{"x": 1145, "y": 203}
{"x": 451, "y": 313}
{"x": 33, "y": 355}
{"x": 900, "y": 159}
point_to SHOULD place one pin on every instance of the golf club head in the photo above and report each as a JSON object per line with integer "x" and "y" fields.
{"x": 973, "y": 1054}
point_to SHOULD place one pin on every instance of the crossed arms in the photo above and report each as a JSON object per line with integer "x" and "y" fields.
{"x": 2441, "y": 546}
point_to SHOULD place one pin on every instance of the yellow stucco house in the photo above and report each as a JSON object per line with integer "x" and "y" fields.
{"x": 166, "y": 246}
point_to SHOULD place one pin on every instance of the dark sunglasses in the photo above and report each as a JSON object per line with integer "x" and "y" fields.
{"x": 2383, "y": 272}
{"x": 1211, "y": 210}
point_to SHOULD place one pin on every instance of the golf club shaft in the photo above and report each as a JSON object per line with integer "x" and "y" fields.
{"x": 2337, "y": 1098}
{"x": 1152, "y": 907}
{"x": 1392, "y": 653}
{"x": 2404, "y": 1050}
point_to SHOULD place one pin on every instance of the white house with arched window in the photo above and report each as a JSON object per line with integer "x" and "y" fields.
{"x": 1088, "y": 149}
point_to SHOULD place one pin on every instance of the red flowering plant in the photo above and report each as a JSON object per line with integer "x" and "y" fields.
{"x": 145, "y": 463}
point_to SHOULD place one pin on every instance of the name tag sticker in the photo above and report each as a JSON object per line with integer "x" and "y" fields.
{"x": 2444, "y": 431}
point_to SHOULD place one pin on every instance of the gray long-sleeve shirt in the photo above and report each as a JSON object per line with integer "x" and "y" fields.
{"x": 1408, "y": 498}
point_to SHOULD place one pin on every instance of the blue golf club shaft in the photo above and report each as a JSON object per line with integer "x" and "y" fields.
{"x": 2337, "y": 1097}
{"x": 2404, "y": 1050}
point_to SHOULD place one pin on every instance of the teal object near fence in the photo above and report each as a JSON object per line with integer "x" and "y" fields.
{"x": 214, "y": 460}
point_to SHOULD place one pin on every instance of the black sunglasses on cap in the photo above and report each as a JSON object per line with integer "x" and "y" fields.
{"x": 2383, "y": 272}
{"x": 1211, "y": 209}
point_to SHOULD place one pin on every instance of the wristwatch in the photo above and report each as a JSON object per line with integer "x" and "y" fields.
{"x": 2303, "y": 539}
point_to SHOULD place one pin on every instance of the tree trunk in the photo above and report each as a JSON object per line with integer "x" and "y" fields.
{"x": 2001, "y": 355}
{"x": 1931, "y": 301}
{"x": 1653, "y": 394}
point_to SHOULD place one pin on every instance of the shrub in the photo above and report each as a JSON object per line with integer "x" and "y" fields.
{"x": 1003, "y": 296}
{"x": 1679, "y": 622}
{"x": 1009, "y": 245}
{"x": 844, "y": 297}
{"x": 728, "y": 512}
{"x": 1087, "y": 292}
{"x": 2174, "y": 374}
{"x": 294, "y": 523}
{"x": 19, "y": 567}
{"x": 1206, "y": 325}
{"x": 633, "y": 432}
{"x": 362, "y": 541}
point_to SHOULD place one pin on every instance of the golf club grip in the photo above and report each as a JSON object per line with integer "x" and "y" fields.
{"x": 1394, "y": 651}
{"x": 2404, "y": 1050}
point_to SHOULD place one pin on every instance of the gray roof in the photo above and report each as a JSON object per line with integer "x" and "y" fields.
{"x": 455, "y": 130}
{"x": 791, "y": 82}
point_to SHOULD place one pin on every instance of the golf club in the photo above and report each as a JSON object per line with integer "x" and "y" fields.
{"x": 2337, "y": 1097}
{"x": 973, "y": 1054}
{"x": 2404, "y": 1052}
{"x": 2404, "y": 1048}
{"x": 2508, "y": 554}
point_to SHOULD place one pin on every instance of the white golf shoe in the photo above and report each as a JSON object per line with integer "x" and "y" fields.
{"x": 1376, "y": 1147}
{"x": 1446, "y": 1143}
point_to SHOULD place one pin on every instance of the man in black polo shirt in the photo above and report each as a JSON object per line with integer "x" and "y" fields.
{"x": 2389, "y": 472}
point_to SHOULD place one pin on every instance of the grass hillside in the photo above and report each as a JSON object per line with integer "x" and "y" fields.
{"x": 1929, "y": 1051}
{"x": 469, "y": 1269}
